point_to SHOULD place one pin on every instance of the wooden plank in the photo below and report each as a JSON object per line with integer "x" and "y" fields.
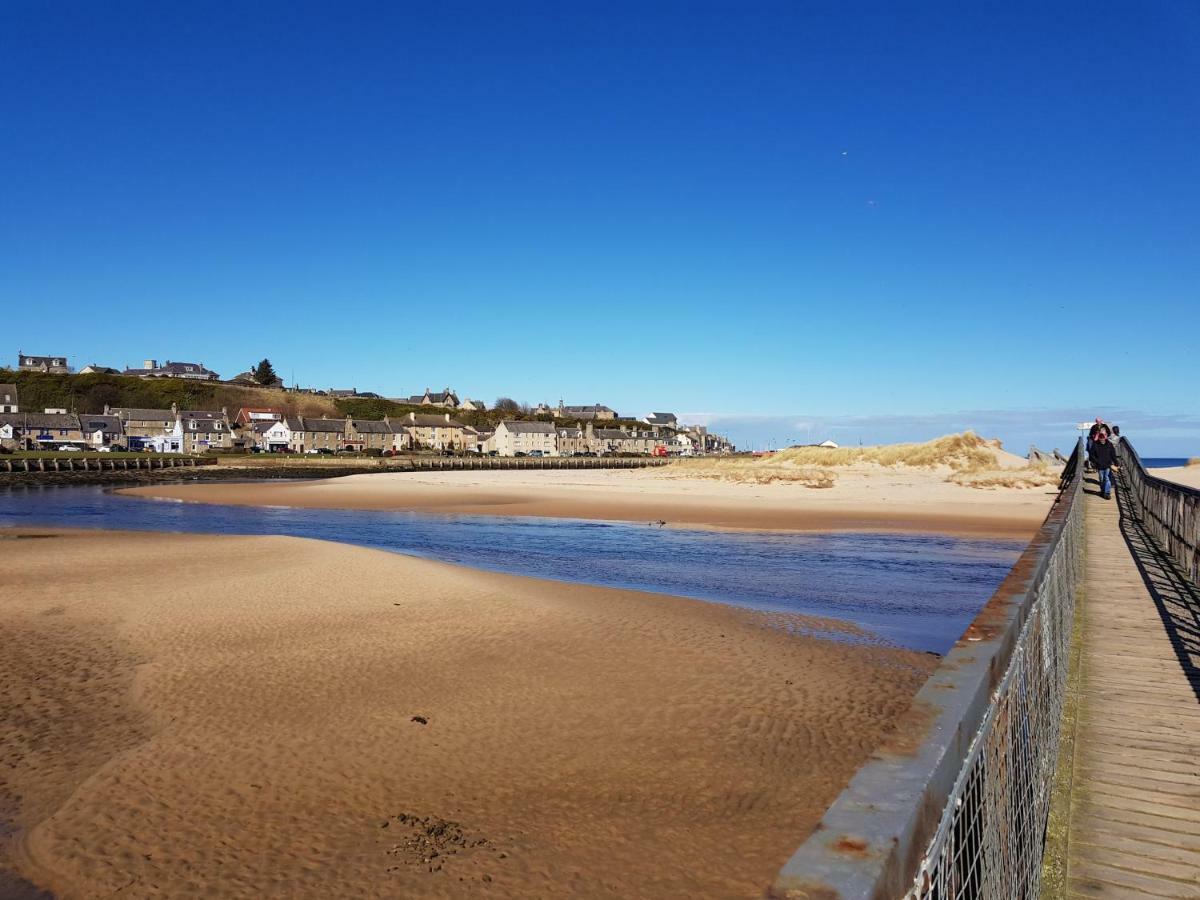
{"x": 1092, "y": 879}
{"x": 1158, "y": 761}
{"x": 1174, "y": 842}
{"x": 1153, "y": 852}
{"x": 1086, "y": 811}
{"x": 1172, "y": 879}
{"x": 1135, "y": 812}
{"x": 1185, "y": 785}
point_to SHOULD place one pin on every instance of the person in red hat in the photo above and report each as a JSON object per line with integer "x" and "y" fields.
{"x": 1104, "y": 460}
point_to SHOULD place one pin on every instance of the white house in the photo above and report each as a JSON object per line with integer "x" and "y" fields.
{"x": 271, "y": 436}
{"x": 525, "y": 438}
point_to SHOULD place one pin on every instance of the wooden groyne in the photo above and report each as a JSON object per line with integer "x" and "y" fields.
{"x": 91, "y": 464}
{"x": 127, "y": 470}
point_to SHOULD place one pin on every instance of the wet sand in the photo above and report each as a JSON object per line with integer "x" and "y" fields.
{"x": 895, "y": 500}
{"x": 188, "y": 715}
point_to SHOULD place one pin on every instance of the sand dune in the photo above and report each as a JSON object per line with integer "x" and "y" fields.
{"x": 237, "y": 717}
{"x": 869, "y": 498}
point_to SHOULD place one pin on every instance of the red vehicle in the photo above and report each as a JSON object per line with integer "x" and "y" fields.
{"x": 659, "y": 450}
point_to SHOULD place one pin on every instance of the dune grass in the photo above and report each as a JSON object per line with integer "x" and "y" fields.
{"x": 972, "y": 461}
{"x": 1033, "y": 477}
{"x": 961, "y": 452}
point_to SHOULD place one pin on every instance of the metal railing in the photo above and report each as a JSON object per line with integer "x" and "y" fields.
{"x": 955, "y": 804}
{"x": 1169, "y": 512}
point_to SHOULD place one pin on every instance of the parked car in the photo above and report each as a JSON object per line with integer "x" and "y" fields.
{"x": 104, "y": 449}
{"x": 535, "y": 453}
{"x": 519, "y": 453}
{"x": 68, "y": 448}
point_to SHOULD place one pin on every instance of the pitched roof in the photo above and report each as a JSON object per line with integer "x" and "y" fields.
{"x": 175, "y": 368}
{"x": 51, "y": 420}
{"x": 202, "y": 414}
{"x": 9, "y": 389}
{"x": 370, "y": 426}
{"x": 294, "y": 423}
{"x": 206, "y": 426}
{"x": 327, "y": 425}
{"x": 611, "y": 434}
{"x": 245, "y": 413}
{"x": 128, "y": 414}
{"x": 432, "y": 421}
{"x": 529, "y": 427}
{"x": 90, "y": 422}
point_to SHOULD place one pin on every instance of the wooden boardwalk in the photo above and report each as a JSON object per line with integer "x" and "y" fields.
{"x": 1135, "y": 793}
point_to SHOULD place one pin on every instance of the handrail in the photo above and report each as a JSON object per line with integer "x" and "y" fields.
{"x": 955, "y": 803}
{"x": 1170, "y": 512}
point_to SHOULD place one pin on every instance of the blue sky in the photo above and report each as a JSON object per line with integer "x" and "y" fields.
{"x": 769, "y": 214}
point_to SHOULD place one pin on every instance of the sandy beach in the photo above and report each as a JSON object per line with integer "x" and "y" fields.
{"x": 265, "y": 716}
{"x": 1188, "y": 476}
{"x": 863, "y": 499}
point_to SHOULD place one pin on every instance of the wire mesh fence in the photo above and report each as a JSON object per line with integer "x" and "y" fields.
{"x": 990, "y": 839}
{"x": 964, "y": 816}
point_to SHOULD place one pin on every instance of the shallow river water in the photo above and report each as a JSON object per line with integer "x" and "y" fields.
{"x": 917, "y": 591}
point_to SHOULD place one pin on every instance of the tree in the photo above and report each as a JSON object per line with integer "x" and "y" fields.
{"x": 264, "y": 374}
{"x": 506, "y": 405}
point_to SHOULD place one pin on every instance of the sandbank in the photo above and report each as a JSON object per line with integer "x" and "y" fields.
{"x": 874, "y": 499}
{"x": 194, "y": 715}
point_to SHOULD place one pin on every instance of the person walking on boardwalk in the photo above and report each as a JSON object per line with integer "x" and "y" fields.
{"x": 1104, "y": 460}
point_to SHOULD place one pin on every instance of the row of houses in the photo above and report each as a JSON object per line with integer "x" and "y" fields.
{"x": 196, "y": 431}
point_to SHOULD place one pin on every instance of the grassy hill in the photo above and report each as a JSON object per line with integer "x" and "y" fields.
{"x": 90, "y": 394}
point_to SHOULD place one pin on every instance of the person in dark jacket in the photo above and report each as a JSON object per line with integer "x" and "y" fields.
{"x": 1104, "y": 459}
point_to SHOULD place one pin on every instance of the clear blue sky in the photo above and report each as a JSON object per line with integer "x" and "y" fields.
{"x": 787, "y": 211}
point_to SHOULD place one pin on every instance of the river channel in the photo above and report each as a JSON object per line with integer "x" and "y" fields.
{"x": 916, "y": 591}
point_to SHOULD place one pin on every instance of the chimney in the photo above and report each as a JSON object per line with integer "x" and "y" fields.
{"x": 588, "y": 428}
{"x": 447, "y": 417}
